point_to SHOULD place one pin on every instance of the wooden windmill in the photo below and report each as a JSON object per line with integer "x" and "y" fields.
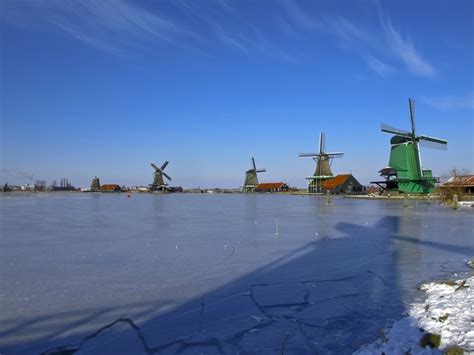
{"x": 158, "y": 180}
{"x": 251, "y": 178}
{"x": 323, "y": 161}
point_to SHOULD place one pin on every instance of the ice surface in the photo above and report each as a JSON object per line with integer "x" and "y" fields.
{"x": 206, "y": 274}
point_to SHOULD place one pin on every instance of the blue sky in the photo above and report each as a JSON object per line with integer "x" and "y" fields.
{"x": 106, "y": 87}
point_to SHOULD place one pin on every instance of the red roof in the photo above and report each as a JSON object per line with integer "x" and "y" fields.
{"x": 270, "y": 186}
{"x": 109, "y": 187}
{"x": 335, "y": 181}
{"x": 460, "y": 181}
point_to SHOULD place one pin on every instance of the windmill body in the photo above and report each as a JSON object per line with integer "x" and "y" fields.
{"x": 158, "y": 178}
{"x": 251, "y": 178}
{"x": 405, "y": 172}
{"x": 323, "y": 161}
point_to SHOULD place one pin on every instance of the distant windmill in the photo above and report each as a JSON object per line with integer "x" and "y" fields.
{"x": 158, "y": 181}
{"x": 251, "y": 179}
{"x": 405, "y": 172}
{"x": 323, "y": 161}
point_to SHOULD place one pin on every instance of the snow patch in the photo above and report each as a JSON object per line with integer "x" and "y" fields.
{"x": 448, "y": 311}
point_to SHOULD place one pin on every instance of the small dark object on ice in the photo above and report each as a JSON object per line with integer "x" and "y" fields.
{"x": 431, "y": 340}
{"x": 462, "y": 285}
{"x": 447, "y": 282}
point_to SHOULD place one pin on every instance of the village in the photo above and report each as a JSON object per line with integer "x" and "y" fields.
{"x": 404, "y": 175}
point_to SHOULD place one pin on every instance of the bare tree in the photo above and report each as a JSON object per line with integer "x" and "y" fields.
{"x": 40, "y": 185}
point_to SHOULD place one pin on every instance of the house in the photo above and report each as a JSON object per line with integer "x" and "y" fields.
{"x": 463, "y": 183}
{"x": 343, "y": 184}
{"x": 110, "y": 188}
{"x": 272, "y": 187}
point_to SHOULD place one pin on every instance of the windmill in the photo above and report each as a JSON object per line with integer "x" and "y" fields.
{"x": 323, "y": 161}
{"x": 158, "y": 181}
{"x": 251, "y": 179}
{"x": 405, "y": 172}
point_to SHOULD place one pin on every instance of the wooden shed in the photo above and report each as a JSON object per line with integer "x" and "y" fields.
{"x": 110, "y": 188}
{"x": 343, "y": 184}
{"x": 272, "y": 187}
{"x": 464, "y": 183}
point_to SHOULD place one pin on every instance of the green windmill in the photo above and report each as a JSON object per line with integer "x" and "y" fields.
{"x": 405, "y": 172}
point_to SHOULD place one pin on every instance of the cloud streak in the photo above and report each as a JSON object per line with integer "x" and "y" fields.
{"x": 119, "y": 25}
{"x": 405, "y": 51}
{"x": 370, "y": 45}
{"x": 451, "y": 102}
{"x": 379, "y": 67}
{"x": 107, "y": 25}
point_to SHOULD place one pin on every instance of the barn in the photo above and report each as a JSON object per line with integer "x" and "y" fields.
{"x": 343, "y": 184}
{"x": 272, "y": 187}
{"x": 462, "y": 183}
{"x": 110, "y": 188}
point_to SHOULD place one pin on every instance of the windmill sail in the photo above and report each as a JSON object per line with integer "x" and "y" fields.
{"x": 392, "y": 130}
{"x": 432, "y": 142}
{"x": 411, "y": 105}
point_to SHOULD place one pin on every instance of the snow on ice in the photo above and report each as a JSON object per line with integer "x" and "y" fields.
{"x": 448, "y": 311}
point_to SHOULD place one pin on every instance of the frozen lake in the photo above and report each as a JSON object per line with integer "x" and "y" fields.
{"x": 207, "y": 274}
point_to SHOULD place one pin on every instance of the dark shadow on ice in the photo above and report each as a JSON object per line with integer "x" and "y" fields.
{"x": 436, "y": 245}
{"x": 331, "y": 296}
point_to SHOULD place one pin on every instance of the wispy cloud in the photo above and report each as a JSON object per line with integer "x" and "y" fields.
{"x": 381, "y": 68}
{"x": 405, "y": 50}
{"x": 381, "y": 48}
{"x": 451, "y": 102}
{"x": 301, "y": 17}
{"x": 107, "y": 25}
{"x": 118, "y": 25}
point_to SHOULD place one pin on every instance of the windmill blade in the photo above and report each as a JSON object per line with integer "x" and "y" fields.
{"x": 321, "y": 142}
{"x": 154, "y": 166}
{"x": 164, "y": 165}
{"x": 309, "y": 155}
{"x": 166, "y": 175}
{"x": 253, "y": 164}
{"x": 411, "y": 106}
{"x": 335, "y": 154}
{"x": 433, "y": 145}
{"x": 432, "y": 142}
{"x": 392, "y": 130}
{"x": 433, "y": 139}
{"x": 260, "y": 170}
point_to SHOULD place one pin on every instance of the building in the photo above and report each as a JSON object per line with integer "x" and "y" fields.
{"x": 95, "y": 184}
{"x": 110, "y": 188}
{"x": 462, "y": 183}
{"x": 272, "y": 187}
{"x": 343, "y": 184}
